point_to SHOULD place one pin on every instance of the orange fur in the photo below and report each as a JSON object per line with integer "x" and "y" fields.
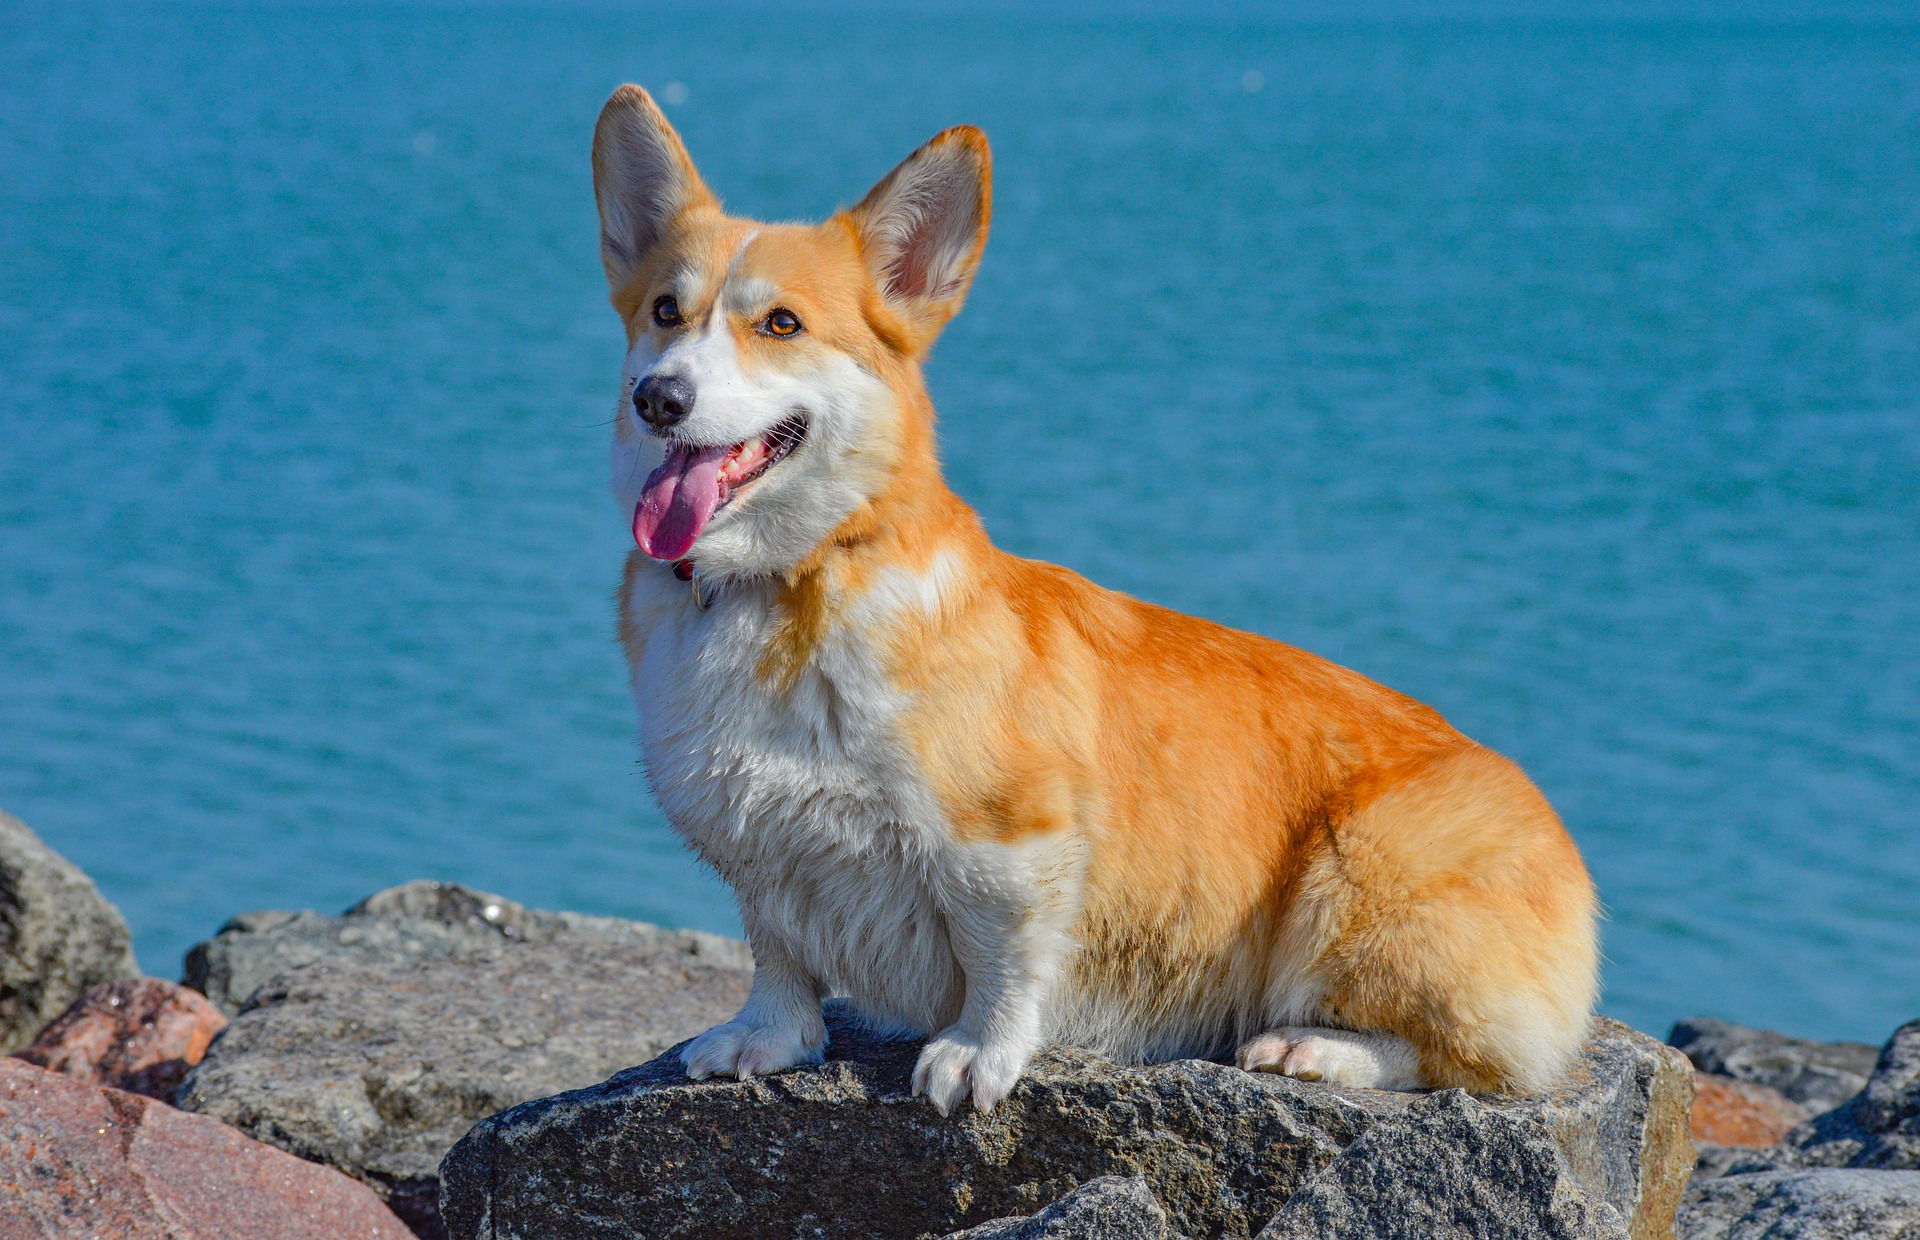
{"x": 1253, "y": 815}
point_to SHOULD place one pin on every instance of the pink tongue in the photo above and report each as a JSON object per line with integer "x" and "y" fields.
{"x": 677, "y": 500}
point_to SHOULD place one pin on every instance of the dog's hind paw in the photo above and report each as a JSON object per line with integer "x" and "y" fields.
{"x": 955, "y": 1064}
{"x": 742, "y": 1050}
{"x": 1336, "y": 1056}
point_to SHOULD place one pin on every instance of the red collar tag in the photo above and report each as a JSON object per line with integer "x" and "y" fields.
{"x": 683, "y": 569}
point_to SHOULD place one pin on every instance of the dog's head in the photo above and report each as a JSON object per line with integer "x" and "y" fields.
{"x": 772, "y": 383}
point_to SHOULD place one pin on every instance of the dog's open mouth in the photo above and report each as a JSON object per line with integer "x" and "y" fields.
{"x": 695, "y": 482}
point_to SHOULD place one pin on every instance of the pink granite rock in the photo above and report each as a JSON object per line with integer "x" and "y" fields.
{"x": 140, "y": 1034}
{"x": 1730, "y": 1112}
{"x": 81, "y": 1160}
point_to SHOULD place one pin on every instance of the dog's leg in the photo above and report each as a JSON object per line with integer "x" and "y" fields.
{"x": 1336, "y": 1056}
{"x": 1010, "y": 935}
{"x": 983, "y": 1053}
{"x": 779, "y": 1028}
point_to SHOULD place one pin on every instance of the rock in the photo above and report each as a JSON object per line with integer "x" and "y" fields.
{"x": 842, "y": 1149}
{"x": 1817, "y": 1075}
{"x": 418, "y": 921}
{"x": 1448, "y": 1166}
{"x": 1852, "y": 1172}
{"x": 58, "y": 935}
{"x": 1804, "y": 1205}
{"x": 1730, "y": 1112}
{"x": 1716, "y": 1160}
{"x": 1879, "y": 1128}
{"x": 1109, "y": 1208}
{"x": 80, "y": 1160}
{"x": 139, "y": 1034}
{"x": 376, "y": 1068}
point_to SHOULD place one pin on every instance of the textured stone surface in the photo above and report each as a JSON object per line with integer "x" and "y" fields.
{"x": 1730, "y": 1112}
{"x": 1623, "y": 1122}
{"x": 1715, "y": 1160}
{"x": 1817, "y": 1075}
{"x": 377, "y": 1068}
{"x": 1804, "y": 1205}
{"x": 1448, "y": 1166}
{"x": 1111, "y": 1207}
{"x": 139, "y": 1034}
{"x": 79, "y": 1160}
{"x": 418, "y": 921}
{"x": 1879, "y": 1128}
{"x": 58, "y": 935}
{"x": 1852, "y": 1172}
{"x": 844, "y": 1150}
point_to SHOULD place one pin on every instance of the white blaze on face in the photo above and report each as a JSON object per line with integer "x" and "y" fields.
{"x": 728, "y": 405}
{"x": 731, "y": 405}
{"x": 772, "y": 522}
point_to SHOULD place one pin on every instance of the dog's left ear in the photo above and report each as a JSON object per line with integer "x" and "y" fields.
{"x": 922, "y": 229}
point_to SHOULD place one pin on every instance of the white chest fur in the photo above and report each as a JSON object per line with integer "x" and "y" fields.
{"x": 800, "y": 795}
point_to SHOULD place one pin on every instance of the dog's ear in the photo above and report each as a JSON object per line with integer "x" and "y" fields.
{"x": 922, "y": 228}
{"x": 642, "y": 179}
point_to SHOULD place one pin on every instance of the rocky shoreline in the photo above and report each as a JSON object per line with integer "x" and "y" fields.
{"x": 441, "y": 1062}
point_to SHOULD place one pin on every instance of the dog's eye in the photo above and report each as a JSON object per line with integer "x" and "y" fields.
{"x": 666, "y": 312}
{"x": 780, "y": 323}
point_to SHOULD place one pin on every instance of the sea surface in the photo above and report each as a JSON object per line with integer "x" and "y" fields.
{"x": 1563, "y": 372}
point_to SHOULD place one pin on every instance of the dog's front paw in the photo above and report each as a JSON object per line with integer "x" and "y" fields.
{"x": 742, "y": 1050}
{"x": 955, "y": 1064}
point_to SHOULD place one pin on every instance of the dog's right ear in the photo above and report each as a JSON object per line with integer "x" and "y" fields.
{"x": 642, "y": 179}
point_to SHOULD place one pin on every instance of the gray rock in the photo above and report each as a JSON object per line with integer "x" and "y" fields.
{"x": 59, "y": 937}
{"x": 1804, "y": 1205}
{"x": 1879, "y": 1128}
{"x": 1852, "y": 1172}
{"x": 1818, "y": 1075}
{"x": 1448, "y": 1166}
{"x": 418, "y": 921}
{"x": 376, "y": 1067}
{"x": 1716, "y": 1160}
{"x": 1110, "y": 1208}
{"x": 843, "y": 1150}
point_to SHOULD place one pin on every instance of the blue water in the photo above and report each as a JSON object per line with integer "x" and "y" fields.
{"x": 1564, "y": 374}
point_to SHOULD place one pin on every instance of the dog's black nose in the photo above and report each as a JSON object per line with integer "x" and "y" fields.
{"x": 663, "y": 401}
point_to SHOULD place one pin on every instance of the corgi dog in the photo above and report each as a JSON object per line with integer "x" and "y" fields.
{"x": 985, "y": 799}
